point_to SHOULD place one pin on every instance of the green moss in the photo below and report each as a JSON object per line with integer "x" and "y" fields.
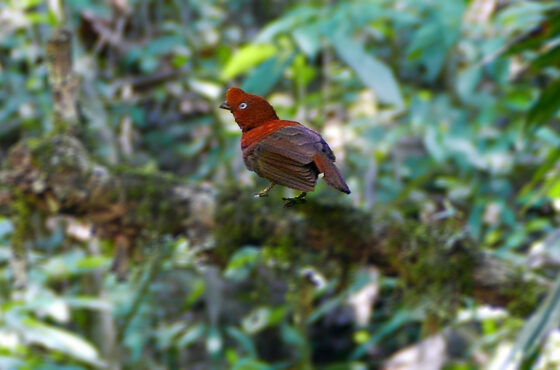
{"x": 345, "y": 230}
{"x": 22, "y": 214}
{"x": 436, "y": 262}
{"x": 523, "y": 295}
{"x": 242, "y": 220}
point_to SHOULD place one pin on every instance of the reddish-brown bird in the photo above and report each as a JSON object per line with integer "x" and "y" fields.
{"x": 285, "y": 152}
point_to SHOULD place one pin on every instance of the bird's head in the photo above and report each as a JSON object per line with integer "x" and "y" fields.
{"x": 249, "y": 110}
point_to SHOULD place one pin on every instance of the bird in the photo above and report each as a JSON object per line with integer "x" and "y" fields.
{"x": 284, "y": 152}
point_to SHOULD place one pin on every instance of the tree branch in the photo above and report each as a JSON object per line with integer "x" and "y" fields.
{"x": 58, "y": 176}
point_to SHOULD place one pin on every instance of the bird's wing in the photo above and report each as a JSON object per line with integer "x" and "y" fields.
{"x": 298, "y": 143}
{"x": 286, "y": 157}
{"x": 284, "y": 171}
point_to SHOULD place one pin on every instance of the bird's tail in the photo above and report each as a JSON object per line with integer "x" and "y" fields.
{"x": 332, "y": 175}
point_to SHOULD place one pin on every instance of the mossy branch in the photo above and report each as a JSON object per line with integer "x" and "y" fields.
{"x": 58, "y": 176}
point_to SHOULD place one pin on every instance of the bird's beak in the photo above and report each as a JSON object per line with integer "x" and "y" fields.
{"x": 225, "y": 105}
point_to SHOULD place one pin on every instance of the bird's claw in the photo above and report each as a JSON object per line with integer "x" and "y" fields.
{"x": 290, "y": 202}
{"x": 264, "y": 192}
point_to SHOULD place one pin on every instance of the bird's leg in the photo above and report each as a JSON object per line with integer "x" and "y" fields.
{"x": 290, "y": 202}
{"x": 264, "y": 192}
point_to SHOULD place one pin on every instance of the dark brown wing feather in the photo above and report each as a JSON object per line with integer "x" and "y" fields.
{"x": 289, "y": 157}
{"x": 285, "y": 157}
{"x": 283, "y": 171}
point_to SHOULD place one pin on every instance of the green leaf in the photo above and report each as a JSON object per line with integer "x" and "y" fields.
{"x": 541, "y": 172}
{"x": 308, "y": 39}
{"x": 60, "y": 340}
{"x": 467, "y": 81}
{"x": 551, "y": 245}
{"x": 163, "y": 45}
{"x": 286, "y": 23}
{"x": 547, "y": 59}
{"x": 26, "y": 4}
{"x": 399, "y": 319}
{"x": 373, "y": 73}
{"x": 250, "y": 364}
{"x": 301, "y": 72}
{"x": 263, "y": 78}
{"x": 166, "y": 335}
{"x": 6, "y": 228}
{"x": 546, "y": 106}
{"x": 526, "y": 14}
{"x": 92, "y": 262}
{"x": 242, "y": 263}
{"x": 539, "y": 325}
{"x": 244, "y": 341}
{"x": 257, "y": 320}
{"x": 428, "y": 48}
{"x": 97, "y": 304}
{"x": 191, "y": 335}
{"x": 9, "y": 362}
{"x": 246, "y": 58}
{"x": 292, "y": 336}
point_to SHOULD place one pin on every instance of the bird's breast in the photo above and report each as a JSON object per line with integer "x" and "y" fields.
{"x": 253, "y": 136}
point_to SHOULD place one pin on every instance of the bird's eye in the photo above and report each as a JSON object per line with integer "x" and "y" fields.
{"x": 242, "y": 105}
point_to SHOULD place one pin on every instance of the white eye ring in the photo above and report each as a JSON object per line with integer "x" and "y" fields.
{"x": 242, "y": 105}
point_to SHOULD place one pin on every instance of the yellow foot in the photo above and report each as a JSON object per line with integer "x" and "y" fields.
{"x": 264, "y": 192}
{"x": 290, "y": 202}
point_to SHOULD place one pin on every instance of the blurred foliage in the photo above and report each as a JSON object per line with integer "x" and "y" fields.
{"x": 437, "y": 110}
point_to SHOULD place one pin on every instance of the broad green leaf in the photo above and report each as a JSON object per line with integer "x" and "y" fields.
{"x": 373, "y": 73}
{"x": 548, "y": 163}
{"x": 256, "y": 320}
{"x": 546, "y": 106}
{"x": 6, "y": 227}
{"x": 301, "y": 72}
{"x": 191, "y": 335}
{"x": 26, "y": 4}
{"x": 163, "y": 45}
{"x": 286, "y": 23}
{"x": 61, "y": 340}
{"x": 308, "y": 39}
{"x": 467, "y": 81}
{"x": 10, "y": 362}
{"x": 399, "y": 319}
{"x": 90, "y": 303}
{"x": 547, "y": 59}
{"x": 525, "y": 15}
{"x": 5, "y": 253}
{"x": 244, "y": 341}
{"x": 545, "y": 319}
{"x": 535, "y": 37}
{"x": 251, "y": 364}
{"x": 263, "y": 78}
{"x": 242, "y": 263}
{"x": 166, "y": 335}
{"x": 197, "y": 290}
{"x": 246, "y": 58}
{"x": 92, "y": 262}
{"x": 206, "y": 88}
{"x": 292, "y": 336}
{"x": 428, "y": 48}
{"x": 328, "y": 306}
{"x": 190, "y": 149}
{"x": 551, "y": 245}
